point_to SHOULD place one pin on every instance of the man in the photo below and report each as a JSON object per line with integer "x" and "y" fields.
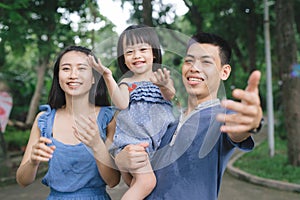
{"x": 194, "y": 152}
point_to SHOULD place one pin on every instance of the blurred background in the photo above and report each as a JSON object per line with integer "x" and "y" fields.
{"x": 264, "y": 35}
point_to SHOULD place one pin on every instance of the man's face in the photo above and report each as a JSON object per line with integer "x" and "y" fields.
{"x": 202, "y": 71}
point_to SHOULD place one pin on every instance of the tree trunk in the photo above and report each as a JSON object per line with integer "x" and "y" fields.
{"x": 147, "y": 12}
{"x": 194, "y": 15}
{"x": 292, "y": 123}
{"x": 35, "y": 100}
{"x": 287, "y": 57}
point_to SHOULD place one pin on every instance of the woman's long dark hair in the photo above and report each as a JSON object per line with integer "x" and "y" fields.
{"x": 98, "y": 92}
{"x": 139, "y": 34}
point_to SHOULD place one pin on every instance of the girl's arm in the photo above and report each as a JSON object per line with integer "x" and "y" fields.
{"x": 110, "y": 170}
{"x": 118, "y": 94}
{"x": 162, "y": 79}
{"x": 87, "y": 132}
{"x": 36, "y": 151}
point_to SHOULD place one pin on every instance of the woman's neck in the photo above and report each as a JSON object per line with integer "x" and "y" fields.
{"x": 79, "y": 106}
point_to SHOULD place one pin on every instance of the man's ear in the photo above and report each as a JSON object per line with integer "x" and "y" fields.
{"x": 225, "y": 72}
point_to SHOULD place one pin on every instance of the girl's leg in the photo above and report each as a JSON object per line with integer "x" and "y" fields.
{"x": 142, "y": 184}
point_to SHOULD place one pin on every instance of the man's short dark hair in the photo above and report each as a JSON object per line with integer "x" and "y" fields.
{"x": 210, "y": 38}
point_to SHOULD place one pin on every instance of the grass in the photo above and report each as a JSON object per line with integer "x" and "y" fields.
{"x": 259, "y": 163}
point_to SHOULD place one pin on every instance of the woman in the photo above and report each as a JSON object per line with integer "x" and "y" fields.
{"x": 71, "y": 132}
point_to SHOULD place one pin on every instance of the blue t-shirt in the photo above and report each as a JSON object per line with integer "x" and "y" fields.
{"x": 180, "y": 170}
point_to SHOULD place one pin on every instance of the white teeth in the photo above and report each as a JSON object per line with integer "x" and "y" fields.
{"x": 138, "y": 63}
{"x": 73, "y": 84}
{"x": 195, "y": 79}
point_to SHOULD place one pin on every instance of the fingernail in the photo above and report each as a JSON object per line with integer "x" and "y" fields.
{"x": 236, "y": 92}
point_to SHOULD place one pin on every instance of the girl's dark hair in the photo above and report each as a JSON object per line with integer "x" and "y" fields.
{"x": 139, "y": 34}
{"x": 98, "y": 92}
{"x": 209, "y": 38}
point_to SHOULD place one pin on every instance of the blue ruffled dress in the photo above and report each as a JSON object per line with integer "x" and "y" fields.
{"x": 145, "y": 120}
{"x": 72, "y": 171}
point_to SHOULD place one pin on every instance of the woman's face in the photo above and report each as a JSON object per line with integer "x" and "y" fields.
{"x": 75, "y": 74}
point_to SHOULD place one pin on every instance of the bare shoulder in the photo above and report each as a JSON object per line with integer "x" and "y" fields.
{"x": 39, "y": 114}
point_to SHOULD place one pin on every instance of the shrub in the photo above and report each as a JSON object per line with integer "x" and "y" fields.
{"x": 15, "y": 138}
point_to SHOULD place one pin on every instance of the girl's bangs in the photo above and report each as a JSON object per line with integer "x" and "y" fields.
{"x": 138, "y": 36}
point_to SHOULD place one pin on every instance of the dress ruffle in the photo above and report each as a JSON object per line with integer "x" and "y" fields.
{"x": 147, "y": 91}
{"x": 43, "y": 120}
{"x": 107, "y": 116}
{"x": 145, "y": 120}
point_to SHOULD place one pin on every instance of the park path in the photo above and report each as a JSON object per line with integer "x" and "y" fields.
{"x": 231, "y": 189}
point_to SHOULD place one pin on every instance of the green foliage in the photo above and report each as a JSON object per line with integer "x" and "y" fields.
{"x": 16, "y": 139}
{"x": 259, "y": 163}
{"x": 33, "y": 32}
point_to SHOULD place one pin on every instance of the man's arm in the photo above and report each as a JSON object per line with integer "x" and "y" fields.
{"x": 248, "y": 112}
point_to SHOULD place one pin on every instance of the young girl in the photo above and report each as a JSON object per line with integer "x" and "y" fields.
{"x": 144, "y": 99}
{"x": 76, "y": 120}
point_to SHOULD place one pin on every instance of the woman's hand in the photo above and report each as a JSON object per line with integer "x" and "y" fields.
{"x": 86, "y": 130}
{"x": 41, "y": 152}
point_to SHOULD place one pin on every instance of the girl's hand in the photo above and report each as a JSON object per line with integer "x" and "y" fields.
{"x": 86, "y": 130}
{"x": 104, "y": 71}
{"x": 161, "y": 78}
{"x": 41, "y": 152}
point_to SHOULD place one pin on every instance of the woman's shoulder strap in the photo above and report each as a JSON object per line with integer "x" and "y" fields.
{"x": 45, "y": 120}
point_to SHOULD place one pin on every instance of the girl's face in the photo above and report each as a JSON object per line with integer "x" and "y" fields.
{"x": 138, "y": 58}
{"x": 75, "y": 75}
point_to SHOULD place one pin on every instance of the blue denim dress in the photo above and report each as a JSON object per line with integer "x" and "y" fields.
{"x": 145, "y": 120}
{"x": 72, "y": 171}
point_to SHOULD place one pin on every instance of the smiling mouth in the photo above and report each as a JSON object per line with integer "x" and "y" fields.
{"x": 193, "y": 79}
{"x": 73, "y": 84}
{"x": 138, "y": 63}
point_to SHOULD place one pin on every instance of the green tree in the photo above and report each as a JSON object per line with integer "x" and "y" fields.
{"x": 38, "y": 30}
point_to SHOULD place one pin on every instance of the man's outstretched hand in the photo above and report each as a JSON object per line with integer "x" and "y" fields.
{"x": 248, "y": 111}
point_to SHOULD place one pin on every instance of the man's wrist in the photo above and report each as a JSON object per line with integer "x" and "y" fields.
{"x": 257, "y": 130}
